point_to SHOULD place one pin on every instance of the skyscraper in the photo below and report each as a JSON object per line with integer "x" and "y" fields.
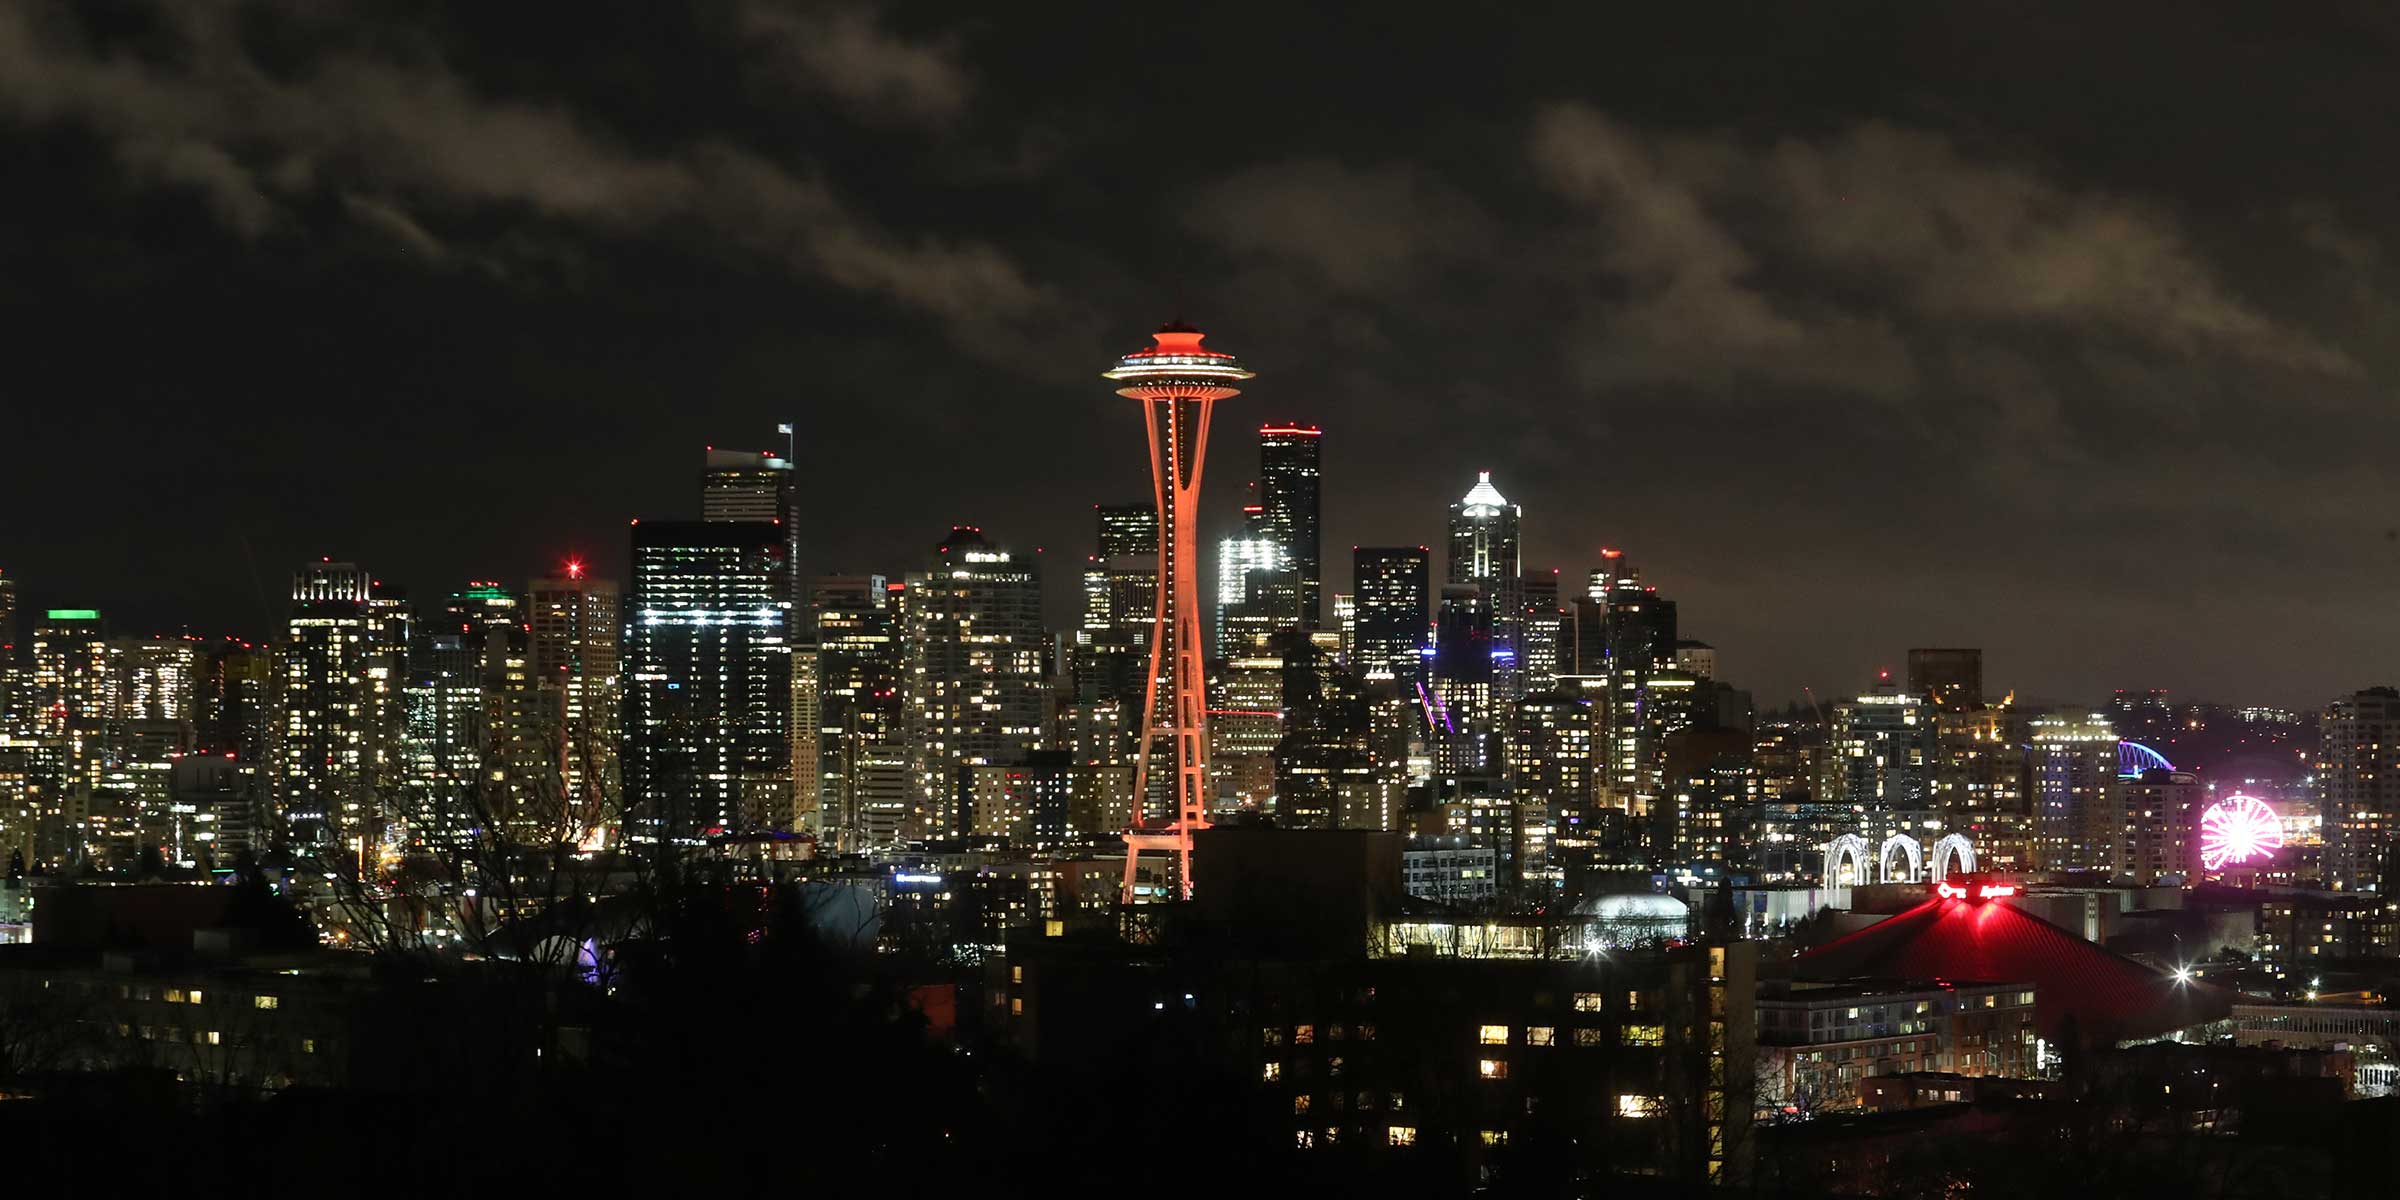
{"x": 1626, "y": 641}
{"x": 1254, "y": 591}
{"x": 858, "y": 707}
{"x": 340, "y": 712}
{"x": 2358, "y": 786}
{"x": 1465, "y": 704}
{"x": 575, "y": 623}
{"x": 742, "y": 485}
{"x": 1484, "y": 552}
{"x": 1290, "y": 475}
{"x": 1883, "y": 752}
{"x": 1394, "y": 610}
{"x": 976, "y": 682}
{"x": 708, "y": 663}
{"x": 2078, "y": 808}
{"x": 1178, "y": 382}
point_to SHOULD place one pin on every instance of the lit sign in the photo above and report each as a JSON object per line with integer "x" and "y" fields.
{"x": 2236, "y": 830}
{"x": 904, "y": 878}
{"x": 74, "y": 614}
{"x": 1988, "y": 891}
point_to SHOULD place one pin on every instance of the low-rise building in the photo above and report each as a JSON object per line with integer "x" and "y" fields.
{"x": 1817, "y": 1042}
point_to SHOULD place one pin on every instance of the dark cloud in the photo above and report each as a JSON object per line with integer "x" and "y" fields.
{"x": 1857, "y": 333}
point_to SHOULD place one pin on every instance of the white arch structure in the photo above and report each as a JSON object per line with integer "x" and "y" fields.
{"x": 1883, "y": 859}
{"x": 1953, "y": 851}
{"x": 1854, "y": 848}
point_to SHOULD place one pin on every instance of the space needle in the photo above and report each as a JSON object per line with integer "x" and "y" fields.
{"x": 1178, "y": 382}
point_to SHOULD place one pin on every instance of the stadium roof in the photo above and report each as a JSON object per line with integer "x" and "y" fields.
{"x": 2110, "y": 997}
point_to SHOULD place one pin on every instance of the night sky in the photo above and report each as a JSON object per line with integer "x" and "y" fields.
{"x": 2064, "y": 330}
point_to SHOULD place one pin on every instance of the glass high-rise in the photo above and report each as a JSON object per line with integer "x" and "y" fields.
{"x": 1484, "y": 552}
{"x": 1392, "y": 611}
{"x": 707, "y": 702}
{"x": 1290, "y": 479}
{"x": 977, "y": 680}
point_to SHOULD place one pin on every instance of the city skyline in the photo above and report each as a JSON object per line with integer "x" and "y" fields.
{"x": 1698, "y": 304}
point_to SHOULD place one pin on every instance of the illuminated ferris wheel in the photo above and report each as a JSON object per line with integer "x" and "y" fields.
{"x": 2238, "y": 830}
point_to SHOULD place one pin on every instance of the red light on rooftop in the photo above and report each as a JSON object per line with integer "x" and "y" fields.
{"x": 1606, "y": 552}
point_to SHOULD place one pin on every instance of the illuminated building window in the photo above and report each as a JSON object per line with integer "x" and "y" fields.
{"x": 1304, "y": 1138}
{"x": 265, "y": 1002}
{"x": 1016, "y": 974}
{"x": 1495, "y": 1137}
{"x": 1492, "y": 1068}
{"x": 1270, "y": 1036}
{"x": 1366, "y": 1033}
{"x": 1541, "y": 1035}
{"x": 1272, "y": 1072}
{"x": 1333, "y": 1065}
{"x": 308, "y": 1045}
{"x": 1401, "y": 1135}
{"x": 1494, "y": 1035}
{"x": 1299, "y": 1106}
{"x": 1591, "y": 1037}
{"x": 215, "y": 1038}
{"x": 1645, "y": 1035}
{"x": 1303, "y": 1035}
{"x": 1633, "y": 1003}
{"x": 1587, "y": 1002}
{"x": 174, "y": 996}
{"x": 1637, "y": 1107}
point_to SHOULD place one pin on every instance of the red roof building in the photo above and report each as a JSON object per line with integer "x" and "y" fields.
{"x": 2108, "y": 997}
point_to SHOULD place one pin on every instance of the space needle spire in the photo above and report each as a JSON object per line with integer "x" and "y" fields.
{"x": 1178, "y": 382}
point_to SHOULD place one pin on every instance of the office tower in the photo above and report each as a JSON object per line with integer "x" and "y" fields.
{"x": 1465, "y": 707}
{"x": 1947, "y": 678}
{"x": 1551, "y": 752}
{"x": 156, "y": 692}
{"x": 339, "y": 709}
{"x": 742, "y": 485}
{"x": 1546, "y": 645}
{"x": 2358, "y": 786}
{"x": 448, "y": 735}
{"x": 1178, "y": 382}
{"x": 1326, "y": 774}
{"x": 8, "y": 630}
{"x": 1110, "y": 653}
{"x": 2160, "y": 808}
{"x": 576, "y": 622}
{"x": 1484, "y": 553}
{"x": 234, "y": 705}
{"x": 1255, "y": 591}
{"x": 1393, "y": 591}
{"x": 1696, "y": 659}
{"x": 1881, "y": 752}
{"x": 976, "y": 681}
{"x": 1980, "y": 785}
{"x": 858, "y": 703}
{"x": 2077, "y": 806}
{"x": 1246, "y": 719}
{"x": 1625, "y": 647}
{"x": 808, "y": 733}
{"x": 708, "y": 690}
{"x": 74, "y": 693}
{"x": 1290, "y": 472}
{"x": 1709, "y": 816}
{"x": 1345, "y": 623}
